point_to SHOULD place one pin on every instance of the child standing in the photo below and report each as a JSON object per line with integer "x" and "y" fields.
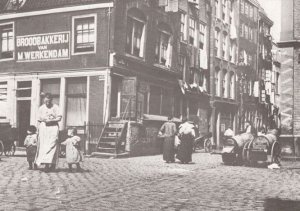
{"x": 73, "y": 155}
{"x": 31, "y": 146}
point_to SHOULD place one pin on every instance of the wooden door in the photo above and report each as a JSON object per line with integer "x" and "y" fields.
{"x": 128, "y": 98}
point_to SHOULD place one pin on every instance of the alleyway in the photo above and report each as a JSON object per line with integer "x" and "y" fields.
{"x": 146, "y": 183}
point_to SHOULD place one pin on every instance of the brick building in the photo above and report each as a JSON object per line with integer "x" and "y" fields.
{"x": 106, "y": 62}
{"x": 290, "y": 99}
{"x": 223, "y": 67}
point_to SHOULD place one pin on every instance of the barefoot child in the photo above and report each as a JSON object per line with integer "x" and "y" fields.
{"x": 31, "y": 146}
{"x": 73, "y": 155}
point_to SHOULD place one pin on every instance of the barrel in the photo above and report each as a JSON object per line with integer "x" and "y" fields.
{"x": 241, "y": 139}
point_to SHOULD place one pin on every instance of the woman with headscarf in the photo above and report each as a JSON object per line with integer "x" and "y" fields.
{"x": 186, "y": 133}
{"x": 48, "y": 148}
{"x": 168, "y": 131}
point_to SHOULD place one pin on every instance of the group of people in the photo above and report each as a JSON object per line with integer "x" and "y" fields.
{"x": 179, "y": 142}
{"x": 42, "y": 145}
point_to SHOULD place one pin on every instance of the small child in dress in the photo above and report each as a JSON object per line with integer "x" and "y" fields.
{"x": 31, "y": 146}
{"x": 73, "y": 155}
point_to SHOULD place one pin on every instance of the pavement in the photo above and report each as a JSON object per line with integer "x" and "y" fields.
{"x": 147, "y": 183}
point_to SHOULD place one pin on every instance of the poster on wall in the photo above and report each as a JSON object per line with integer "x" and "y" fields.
{"x": 43, "y": 47}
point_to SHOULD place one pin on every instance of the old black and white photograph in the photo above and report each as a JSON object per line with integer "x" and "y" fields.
{"x": 145, "y": 105}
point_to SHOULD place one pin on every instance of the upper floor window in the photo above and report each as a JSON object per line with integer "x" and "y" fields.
{"x": 192, "y": 32}
{"x": 255, "y": 14}
{"x": 84, "y": 32}
{"x": 224, "y": 45}
{"x": 3, "y": 100}
{"x": 242, "y": 27}
{"x": 224, "y": 9}
{"x": 183, "y": 29}
{"x": 182, "y": 63}
{"x": 7, "y": 41}
{"x": 217, "y": 81}
{"x": 232, "y": 52}
{"x": 135, "y": 35}
{"x": 225, "y": 84}
{"x": 246, "y": 8}
{"x": 217, "y": 42}
{"x": 246, "y": 32}
{"x": 251, "y": 11}
{"x": 163, "y": 48}
{"x": 202, "y": 30}
{"x": 242, "y": 6}
{"x": 217, "y": 8}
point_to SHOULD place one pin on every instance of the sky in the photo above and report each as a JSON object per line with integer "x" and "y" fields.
{"x": 273, "y": 10}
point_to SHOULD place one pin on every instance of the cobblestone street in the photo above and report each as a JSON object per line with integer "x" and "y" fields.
{"x": 147, "y": 183}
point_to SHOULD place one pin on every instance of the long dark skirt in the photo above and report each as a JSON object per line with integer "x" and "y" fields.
{"x": 168, "y": 150}
{"x": 30, "y": 152}
{"x": 185, "y": 149}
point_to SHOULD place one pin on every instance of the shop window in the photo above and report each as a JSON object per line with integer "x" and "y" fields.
{"x": 7, "y": 41}
{"x": 76, "y": 92}
{"x": 135, "y": 39}
{"x": 3, "y": 100}
{"x": 84, "y": 30}
{"x": 167, "y": 102}
{"x": 183, "y": 34}
{"x": 155, "y": 100}
{"x": 51, "y": 86}
{"x": 163, "y": 49}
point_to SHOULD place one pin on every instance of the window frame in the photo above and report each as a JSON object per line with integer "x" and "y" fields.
{"x": 192, "y": 31}
{"x": 158, "y": 44}
{"x": 94, "y": 15}
{"x": 202, "y": 34}
{"x": 183, "y": 27}
{"x": 14, "y": 40}
{"x": 142, "y": 38}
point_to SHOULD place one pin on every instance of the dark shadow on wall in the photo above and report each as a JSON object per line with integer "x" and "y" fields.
{"x": 275, "y": 204}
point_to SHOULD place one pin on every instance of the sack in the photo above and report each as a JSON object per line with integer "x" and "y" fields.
{"x": 177, "y": 141}
{"x": 160, "y": 135}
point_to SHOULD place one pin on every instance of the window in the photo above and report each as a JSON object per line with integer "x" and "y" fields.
{"x": 251, "y": 11}
{"x": 217, "y": 8}
{"x": 255, "y": 14}
{"x": 242, "y": 27}
{"x": 246, "y": 8}
{"x": 250, "y": 34}
{"x": 225, "y": 84}
{"x": 76, "y": 92}
{"x": 163, "y": 47}
{"x": 182, "y": 63}
{"x": 224, "y": 10}
{"x": 217, "y": 81}
{"x": 231, "y": 86}
{"x": 224, "y": 45}
{"x": 7, "y": 41}
{"x": 192, "y": 30}
{"x": 167, "y": 102}
{"x": 246, "y": 32}
{"x": 191, "y": 76}
{"x": 3, "y": 100}
{"x": 183, "y": 27}
{"x": 51, "y": 86}
{"x": 84, "y": 34}
{"x": 160, "y": 101}
{"x": 232, "y": 51}
{"x": 217, "y": 44}
{"x": 202, "y": 30}
{"x": 24, "y": 89}
{"x": 242, "y": 6}
{"x": 135, "y": 37}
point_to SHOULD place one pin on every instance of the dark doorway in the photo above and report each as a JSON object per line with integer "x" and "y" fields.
{"x": 115, "y": 96}
{"x": 23, "y": 115}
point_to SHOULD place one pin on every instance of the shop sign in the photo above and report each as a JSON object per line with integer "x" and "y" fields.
{"x": 43, "y": 47}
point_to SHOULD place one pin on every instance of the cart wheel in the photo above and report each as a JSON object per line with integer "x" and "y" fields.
{"x": 275, "y": 153}
{"x": 207, "y": 145}
{"x": 1, "y": 148}
{"x": 245, "y": 153}
{"x": 10, "y": 151}
{"x": 249, "y": 159}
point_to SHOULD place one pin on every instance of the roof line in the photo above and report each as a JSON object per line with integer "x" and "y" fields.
{"x": 7, "y": 16}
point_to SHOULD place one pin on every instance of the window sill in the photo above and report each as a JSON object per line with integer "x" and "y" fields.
{"x": 83, "y": 53}
{"x": 8, "y": 59}
{"x": 135, "y": 57}
{"x": 162, "y": 66}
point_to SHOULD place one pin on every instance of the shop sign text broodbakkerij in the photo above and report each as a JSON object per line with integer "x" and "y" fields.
{"x": 43, "y": 47}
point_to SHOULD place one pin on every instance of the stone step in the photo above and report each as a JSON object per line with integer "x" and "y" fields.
{"x": 107, "y": 150}
{"x": 110, "y": 155}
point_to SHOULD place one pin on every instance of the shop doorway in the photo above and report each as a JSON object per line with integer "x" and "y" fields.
{"x": 23, "y": 119}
